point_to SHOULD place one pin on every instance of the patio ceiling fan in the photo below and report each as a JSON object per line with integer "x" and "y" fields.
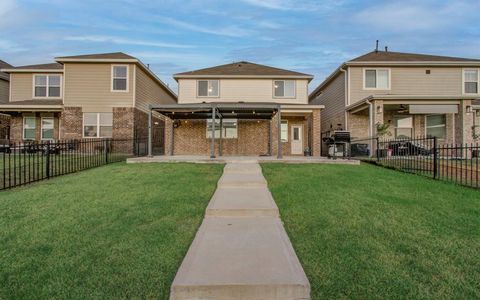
{"x": 403, "y": 109}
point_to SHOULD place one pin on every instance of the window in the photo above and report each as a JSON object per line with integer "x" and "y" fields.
{"x": 229, "y": 128}
{"x": 29, "y": 126}
{"x": 119, "y": 78}
{"x": 284, "y": 88}
{"x": 436, "y": 126}
{"x": 470, "y": 81}
{"x": 403, "y": 127}
{"x": 47, "y": 86}
{"x": 47, "y": 128}
{"x": 207, "y": 88}
{"x": 97, "y": 125}
{"x": 284, "y": 131}
{"x": 378, "y": 79}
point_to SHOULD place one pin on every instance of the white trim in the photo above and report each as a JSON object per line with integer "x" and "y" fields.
{"x": 208, "y": 83}
{"x": 47, "y": 86}
{"x": 41, "y": 128}
{"x": 364, "y": 70}
{"x": 63, "y": 83}
{"x": 127, "y": 79}
{"x": 395, "y": 127}
{"x": 23, "y": 127}
{"x": 478, "y": 81}
{"x": 285, "y": 97}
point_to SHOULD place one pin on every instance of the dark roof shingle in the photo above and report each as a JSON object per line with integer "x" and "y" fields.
{"x": 51, "y": 66}
{"x": 242, "y": 68}
{"x": 35, "y": 102}
{"x": 399, "y": 56}
{"x": 113, "y": 55}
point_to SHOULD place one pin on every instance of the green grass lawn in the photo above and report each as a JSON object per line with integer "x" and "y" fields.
{"x": 118, "y": 231}
{"x": 369, "y": 232}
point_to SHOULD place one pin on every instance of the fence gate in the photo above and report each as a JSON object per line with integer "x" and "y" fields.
{"x": 158, "y": 138}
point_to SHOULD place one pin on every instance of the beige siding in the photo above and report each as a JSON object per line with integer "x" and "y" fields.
{"x": 247, "y": 90}
{"x": 149, "y": 91}
{"x": 333, "y": 97}
{"x": 89, "y": 85}
{"x": 4, "y": 87}
{"x": 411, "y": 81}
{"x": 22, "y": 86}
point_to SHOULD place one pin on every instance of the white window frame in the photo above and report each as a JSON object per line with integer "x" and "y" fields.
{"x": 284, "y": 97}
{"x": 411, "y": 127}
{"x": 282, "y": 122}
{"x": 98, "y": 125}
{"x": 112, "y": 78}
{"x": 426, "y": 126}
{"x": 23, "y": 127}
{"x": 223, "y": 133}
{"x": 47, "y": 86}
{"x": 208, "y": 84}
{"x": 478, "y": 80}
{"x": 41, "y": 128}
{"x": 376, "y": 72}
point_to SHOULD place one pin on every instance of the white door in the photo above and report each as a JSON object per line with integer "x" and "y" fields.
{"x": 297, "y": 139}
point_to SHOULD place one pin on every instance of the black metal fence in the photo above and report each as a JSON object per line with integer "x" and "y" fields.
{"x": 23, "y": 163}
{"x": 458, "y": 163}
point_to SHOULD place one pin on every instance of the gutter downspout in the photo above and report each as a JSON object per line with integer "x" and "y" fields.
{"x": 345, "y": 72}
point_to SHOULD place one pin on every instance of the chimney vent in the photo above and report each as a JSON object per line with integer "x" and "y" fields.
{"x": 376, "y": 47}
{"x": 386, "y": 48}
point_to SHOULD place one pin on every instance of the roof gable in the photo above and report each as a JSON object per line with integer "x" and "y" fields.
{"x": 242, "y": 69}
{"x": 102, "y": 56}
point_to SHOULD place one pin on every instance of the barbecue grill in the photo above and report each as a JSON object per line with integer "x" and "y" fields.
{"x": 337, "y": 143}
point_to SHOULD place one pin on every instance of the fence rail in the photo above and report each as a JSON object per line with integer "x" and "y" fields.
{"x": 458, "y": 163}
{"x": 23, "y": 163}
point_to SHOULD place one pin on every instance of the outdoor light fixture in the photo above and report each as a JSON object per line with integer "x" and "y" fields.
{"x": 253, "y": 112}
{"x": 233, "y": 112}
{"x": 379, "y": 109}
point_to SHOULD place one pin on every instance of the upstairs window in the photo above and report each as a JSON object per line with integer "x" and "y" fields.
{"x": 120, "y": 78}
{"x": 207, "y": 88}
{"x": 47, "y": 86}
{"x": 376, "y": 79}
{"x": 97, "y": 125}
{"x": 471, "y": 81}
{"x": 284, "y": 88}
{"x": 229, "y": 128}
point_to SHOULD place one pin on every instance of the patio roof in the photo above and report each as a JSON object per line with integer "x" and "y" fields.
{"x": 253, "y": 111}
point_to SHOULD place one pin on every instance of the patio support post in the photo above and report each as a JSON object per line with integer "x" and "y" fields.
{"x": 220, "y": 146}
{"x": 279, "y": 132}
{"x": 172, "y": 142}
{"x": 269, "y": 138}
{"x": 212, "y": 149}
{"x": 150, "y": 131}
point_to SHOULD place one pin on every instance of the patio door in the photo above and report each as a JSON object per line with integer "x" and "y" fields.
{"x": 297, "y": 139}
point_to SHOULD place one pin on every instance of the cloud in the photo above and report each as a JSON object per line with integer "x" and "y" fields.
{"x": 124, "y": 41}
{"x": 229, "y": 31}
{"x": 306, "y": 5}
{"x": 10, "y": 46}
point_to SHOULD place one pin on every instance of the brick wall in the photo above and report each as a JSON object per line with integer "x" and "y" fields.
{"x": 71, "y": 123}
{"x": 4, "y": 126}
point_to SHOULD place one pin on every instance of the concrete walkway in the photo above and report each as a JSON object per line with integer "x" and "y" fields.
{"x": 241, "y": 250}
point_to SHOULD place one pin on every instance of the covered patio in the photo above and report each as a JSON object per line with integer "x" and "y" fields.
{"x": 259, "y": 128}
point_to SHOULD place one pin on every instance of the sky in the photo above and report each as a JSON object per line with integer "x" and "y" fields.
{"x": 308, "y": 36}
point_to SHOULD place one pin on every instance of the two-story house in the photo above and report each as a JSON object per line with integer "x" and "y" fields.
{"x": 4, "y": 94}
{"x": 242, "y": 108}
{"x": 415, "y": 94}
{"x": 85, "y": 96}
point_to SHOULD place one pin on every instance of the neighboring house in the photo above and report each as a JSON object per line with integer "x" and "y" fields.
{"x": 416, "y": 94}
{"x": 248, "y": 98}
{"x": 85, "y": 96}
{"x": 4, "y": 94}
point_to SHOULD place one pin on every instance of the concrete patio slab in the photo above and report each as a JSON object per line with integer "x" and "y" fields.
{"x": 233, "y": 180}
{"x": 241, "y": 258}
{"x": 242, "y": 202}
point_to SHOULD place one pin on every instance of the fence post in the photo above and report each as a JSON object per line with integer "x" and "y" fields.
{"x": 435, "y": 158}
{"x": 47, "y": 163}
{"x": 105, "y": 150}
{"x": 377, "y": 148}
